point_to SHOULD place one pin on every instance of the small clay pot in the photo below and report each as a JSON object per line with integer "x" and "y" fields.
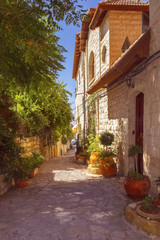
{"x": 19, "y": 183}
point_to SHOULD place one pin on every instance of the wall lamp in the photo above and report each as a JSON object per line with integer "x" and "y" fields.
{"x": 130, "y": 82}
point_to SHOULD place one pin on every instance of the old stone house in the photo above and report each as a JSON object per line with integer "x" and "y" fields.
{"x": 117, "y": 58}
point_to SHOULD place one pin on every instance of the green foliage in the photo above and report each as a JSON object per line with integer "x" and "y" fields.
{"x": 29, "y": 63}
{"x": 134, "y": 150}
{"x": 106, "y": 138}
{"x": 135, "y": 175}
{"x": 64, "y": 140}
{"x": 10, "y": 149}
{"x": 106, "y": 153}
{"x": 92, "y": 112}
{"x": 93, "y": 144}
{"x": 29, "y": 48}
{"x": 35, "y": 160}
{"x": 85, "y": 143}
{"x": 147, "y": 204}
{"x": 68, "y": 10}
{"x": 21, "y": 168}
{"x": 45, "y": 112}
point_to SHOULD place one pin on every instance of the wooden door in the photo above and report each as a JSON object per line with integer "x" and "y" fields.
{"x": 139, "y": 128}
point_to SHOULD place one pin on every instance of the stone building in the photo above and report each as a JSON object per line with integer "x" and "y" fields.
{"x": 125, "y": 77}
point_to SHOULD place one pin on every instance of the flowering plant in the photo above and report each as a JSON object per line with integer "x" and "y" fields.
{"x": 150, "y": 204}
{"x": 106, "y": 153}
{"x": 105, "y": 158}
{"x": 156, "y": 201}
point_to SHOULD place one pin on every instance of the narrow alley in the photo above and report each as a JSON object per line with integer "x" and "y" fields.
{"x": 64, "y": 202}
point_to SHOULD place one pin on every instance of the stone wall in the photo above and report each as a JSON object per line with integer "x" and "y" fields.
{"x": 155, "y": 25}
{"x": 36, "y": 144}
{"x": 123, "y": 24}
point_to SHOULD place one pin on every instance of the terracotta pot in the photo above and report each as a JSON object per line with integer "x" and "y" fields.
{"x": 19, "y": 183}
{"x": 107, "y": 169}
{"x": 34, "y": 172}
{"x": 137, "y": 189}
{"x": 94, "y": 157}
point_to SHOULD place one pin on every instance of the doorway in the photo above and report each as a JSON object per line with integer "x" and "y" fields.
{"x": 139, "y": 128}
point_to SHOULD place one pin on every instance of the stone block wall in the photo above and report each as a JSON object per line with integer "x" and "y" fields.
{"x": 30, "y": 144}
{"x": 123, "y": 24}
{"x": 36, "y": 144}
{"x": 104, "y": 42}
{"x": 155, "y": 25}
{"x": 93, "y": 45}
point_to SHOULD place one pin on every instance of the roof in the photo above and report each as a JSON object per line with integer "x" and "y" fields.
{"x": 119, "y": 5}
{"x": 128, "y": 60}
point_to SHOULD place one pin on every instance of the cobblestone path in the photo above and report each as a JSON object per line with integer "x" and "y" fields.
{"x": 63, "y": 202}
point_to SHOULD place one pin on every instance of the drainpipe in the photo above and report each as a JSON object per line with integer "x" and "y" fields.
{"x": 84, "y": 100}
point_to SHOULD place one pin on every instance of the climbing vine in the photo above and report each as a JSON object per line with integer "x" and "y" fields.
{"x": 91, "y": 114}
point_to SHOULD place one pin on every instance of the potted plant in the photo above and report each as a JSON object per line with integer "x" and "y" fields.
{"x": 107, "y": 164}
{"x": 136, "y": 184}
{"x": 21, "y": 171}
{"x": 149, "y": 207}
{"x": 35, "y": 161}
{"x": 93, "y": 150}
{"x": 83, "y": 155}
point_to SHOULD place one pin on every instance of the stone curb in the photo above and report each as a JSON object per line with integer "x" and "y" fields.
{"x": 146, "y": 224}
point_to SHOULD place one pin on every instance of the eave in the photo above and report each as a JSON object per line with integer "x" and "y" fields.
{"x": 80, "y": 43}
{"x": 77, "y": 55}
{"x": 131, "y": 58}
{"x": 103, "y": 7}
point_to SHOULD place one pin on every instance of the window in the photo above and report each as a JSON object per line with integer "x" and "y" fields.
{"x": 125, "y": 45}
{"x": 145, "y": 22}
{"x": 104, "y": 54}
{"x": 91, "y": 67}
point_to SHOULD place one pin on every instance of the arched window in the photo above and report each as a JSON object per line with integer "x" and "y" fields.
{"x": 104, "y": 54}
{"x": 91, "y": 66}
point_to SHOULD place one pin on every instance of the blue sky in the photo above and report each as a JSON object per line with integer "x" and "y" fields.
{"x": 67, "y": 40}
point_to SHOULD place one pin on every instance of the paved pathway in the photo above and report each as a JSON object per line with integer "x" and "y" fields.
{"x": 63, "y": 202}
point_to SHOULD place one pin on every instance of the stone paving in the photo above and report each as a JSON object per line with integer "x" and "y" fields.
{"x": 64, "y": 202}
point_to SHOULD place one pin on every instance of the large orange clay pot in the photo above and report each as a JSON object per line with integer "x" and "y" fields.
{"x": 107, "y": 167}
{"x": 137, "y": 189}
{"x": 94, "y": 157}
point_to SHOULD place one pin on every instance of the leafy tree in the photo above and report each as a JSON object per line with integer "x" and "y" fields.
{"x": 45, "y": 111}
{"x": 29, "y": 63}
{"x": 29, "y": 48}
{"x": 57, "y": 10}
